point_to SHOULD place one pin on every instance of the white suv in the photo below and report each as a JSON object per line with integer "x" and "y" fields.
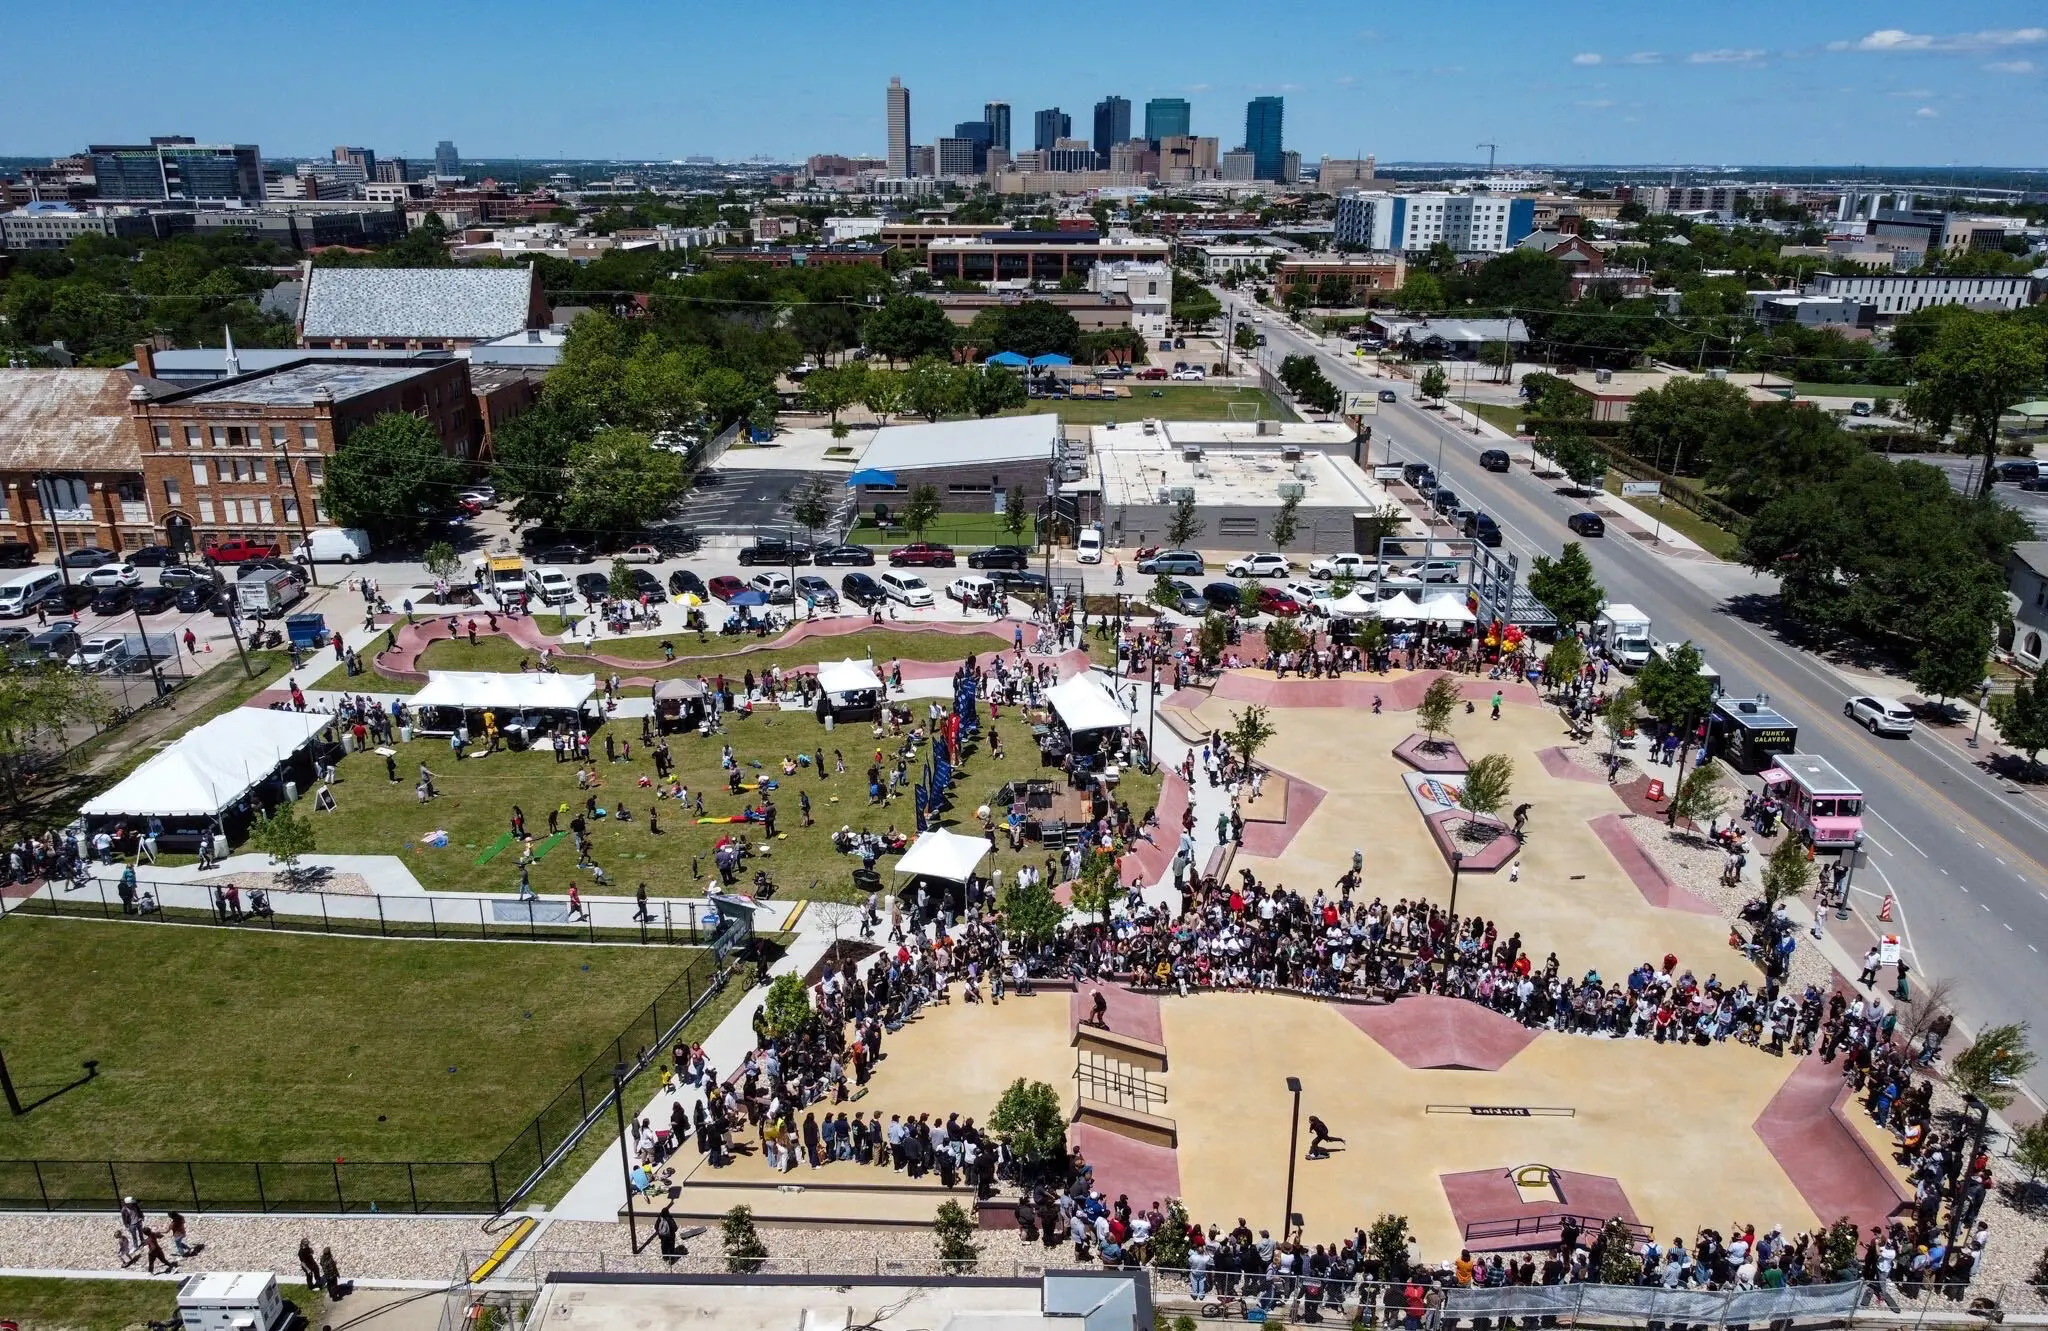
{"x": 1879, "y": 715}
{"x": 1265, "y": 565}
{"x": 908, "y": 588}
{"x": 775, "y": 586}
{"x": 114, "y": 575}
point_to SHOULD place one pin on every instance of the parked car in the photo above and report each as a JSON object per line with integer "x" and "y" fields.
{"x": 1185, "y": 598}
{"x": 2007, "y": 469}
{"x": 1172, "y": 561}
{"x": 148, "y": 556}
{"x": 16, "y": 554}
{"x": 102, "y": 651}
{"x": 1020, "y": 582}
{"x": 923, "y": 554}
{"x": 643, "y": 553}
{"x": 684, "y": 581}
{"x": 1587, "y": 524}
{"x": 1088, "y": 545}
{"x": 775, "y": 585}
{"x": 1444, "y": 499}
{"x": 1414, "y": 473}
{"x": 55, "y": 643}
{"x": 776, "y": 550}
{"x": 725, "y": 586}
{"x": 1344, "y": 565}
{"x": 258, "y": 567}
{"x": 861, "y": 589}
{"x": 593, "y": 586}
{"x": 565, "y": 553}
{"x": 1879, "y": 715}
{"x": 197, "y": 596}
{"x": 483, "y": 496}
{"x": 838, "y": 556}
{"x": 908, "y": 588}
{"x": 1273, "y": 601}
{"x": 971, "y": 589}
{"x": 87, "y": 556}
{"x": 1481, "y": 528}
{"x": 113, "y": 575}
{"x": 113, "y": 600}
{"x": 647, "y": 585}
{"x": 76, "y": 597}
{"x": 1302, "y": 591}
{"x": 1263, "y": 565}
{"x": 814, "y": 590}
{"x": 1495, "y": 459}
{"x": 999, "y": 556}
{"x": 1152, "y": 372}
{"x": 179, "y": 575}
{"x": 1220, "y": 596}
{"x": 239, "y": 551}
{"x": 1438, "y": 570}
{"x": 154, "y": 600}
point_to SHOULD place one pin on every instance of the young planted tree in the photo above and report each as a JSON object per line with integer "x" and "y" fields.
{"x": 1486, "y": 786}
{"x": 1787, "y": 873}
{"x": 284, "y": 837}
{"x": 1434, "y": 384}
{"x": 1387, "y": 1241}
{"x": 1675, "y": 688}
{"x": 1566, "y": 585}
{"x": 787, "y": 1007}
{"x": 1433, "y": 713}
{"x": 2023, "y": 719}
{"x": 441, "y": 560}
{"x": 1031, "y": 1119}
{"x": 955, "y": 1231}
{"x": 921, "y": 509}
{"x": 812, "y": 507}
{"x": 1618, "y": 717}
{"x": 620, "y": 580}
{"x": 1566, "y": 659}
{"x": 1213, "y": 638}
{"x": 1285, "y": 634}
{"x": 1097, "y": 891}
{"x": 1016, "y": 517}
{"x": 745, "y": 1254}
{"x": 1186, "y": 523}
{"x": 1249, "y": 732}
{"x": 1700, "y": 797}
{"x": 1032, "y": 912}
{"x": 1991, "y": 1068}
{"x": 1286, "y": 522}
{"x": 1164, "y": 594}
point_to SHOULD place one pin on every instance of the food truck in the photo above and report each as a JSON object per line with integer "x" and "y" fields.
{"x": 1748, "y": 734}
{"x": 1819, "y": 803}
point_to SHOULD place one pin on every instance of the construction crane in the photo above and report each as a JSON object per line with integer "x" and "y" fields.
{"x": 1491, "y": 149}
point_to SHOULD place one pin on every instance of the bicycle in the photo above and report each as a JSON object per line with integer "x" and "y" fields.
{"x": 1228, "y": 1305}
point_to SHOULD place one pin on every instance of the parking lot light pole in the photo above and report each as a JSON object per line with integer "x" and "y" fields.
{"x": 625, "y": 1157}
{"x": 1293, "y": 1145}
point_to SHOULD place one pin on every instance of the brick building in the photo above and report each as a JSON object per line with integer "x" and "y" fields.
{"x": 1364, "y": 275}
{"x": 247, "y": 455}
{"x": 70, "y": 472}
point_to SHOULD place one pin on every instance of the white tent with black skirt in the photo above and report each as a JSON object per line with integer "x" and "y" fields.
{"x": 850, "y": 688}
{"x": 523, "y": 701}
{"x": 212, "y": 770}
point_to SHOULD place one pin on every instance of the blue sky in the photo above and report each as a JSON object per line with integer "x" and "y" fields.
{"x": 1727, "y": 82}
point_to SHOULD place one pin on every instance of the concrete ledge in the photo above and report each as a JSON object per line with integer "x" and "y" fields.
{"x": 1135, "y": 1124}
{"x": 1442, "y": 760}
{"x": 1480, "y": 857}
{"x": 1139, "y": 1053}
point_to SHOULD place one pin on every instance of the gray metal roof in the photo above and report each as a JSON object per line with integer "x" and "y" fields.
{"x": 952, "y": 443}
{"x": 468, "y": 303}
{"x": 296, "y": 385}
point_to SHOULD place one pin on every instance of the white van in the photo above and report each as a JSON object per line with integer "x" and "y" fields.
{"x": 550, "y": 586}
{"x": 334, "y": 545}
{"x": 1088, "y": 547}
{"x": 906, "y": 587}
{"x": 21, "y": 595}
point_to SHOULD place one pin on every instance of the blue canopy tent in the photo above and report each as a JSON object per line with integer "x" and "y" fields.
{"x": 1052, "y": 358}
{"x": 872, "y": 476}
{"x": 1007, "y": 359}
{"x": 748, "y": 596}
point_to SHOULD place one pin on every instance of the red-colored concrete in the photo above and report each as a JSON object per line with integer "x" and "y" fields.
{"x": 1186, "y": 699}
{"x": 1431, "y": 1031}
{"x": 1445, "y": 827}
{"x": 1657, "y": 887}
{"x": 1399, "y": 693}
{"x": 1129, "y": 1013}
{"x": 1151, "y": 859}
{"x": 1490, "y": 1196}
{"x": 1270, "y": 840}
{"x": 1145, "y": 1173}
{"x": 1557, "y": 762}
{"x": 1838, "y": 1173}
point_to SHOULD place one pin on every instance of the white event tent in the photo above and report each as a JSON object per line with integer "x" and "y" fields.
{"x": 1083, "y": 704}
{"x": 518, "y": 692}
{"x": 943, "y": 855}
{"x": 1447, "y": 608}
{"x": 211, "y": 766}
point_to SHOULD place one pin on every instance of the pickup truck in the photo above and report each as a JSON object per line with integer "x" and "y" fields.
{"x": 238, "y": 551}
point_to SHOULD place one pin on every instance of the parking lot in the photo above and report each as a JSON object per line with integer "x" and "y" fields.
{"x": 1963, "y": 471}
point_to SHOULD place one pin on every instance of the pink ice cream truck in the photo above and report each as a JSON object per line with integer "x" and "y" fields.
{"x": 1817, "y": 801}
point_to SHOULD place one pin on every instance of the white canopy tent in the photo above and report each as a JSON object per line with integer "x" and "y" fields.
{"x": 1447, "y": 608}
{"x": 1402, "y": 606}
{"x": 1083, "y": 704}
{"x": 521, "y": 692}
{"x": 848, "y": 676}
{"x": 212, "y": 766}
{"x": 945, "y": 855}
{"x": 1351, "y": 606}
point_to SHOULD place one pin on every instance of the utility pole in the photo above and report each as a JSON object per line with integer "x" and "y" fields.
{"x": 1491, "y": 149}
{"x": 45, "y": 491}
{"x": 291, "y": 474}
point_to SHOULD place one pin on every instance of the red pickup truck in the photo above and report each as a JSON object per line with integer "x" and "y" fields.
{"x": 239, "y": 552}
{"x": 922, "y": 556}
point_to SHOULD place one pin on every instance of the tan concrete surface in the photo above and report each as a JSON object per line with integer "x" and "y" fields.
{"x": 1572, "y": 897}
{"x": 1672, "y": 1125}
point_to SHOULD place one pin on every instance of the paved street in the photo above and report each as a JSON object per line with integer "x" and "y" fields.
{"x": 1966, "y": 854}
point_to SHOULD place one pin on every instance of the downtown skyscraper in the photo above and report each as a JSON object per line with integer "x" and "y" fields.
{"x": 1262, "y": 136}
{"x": 899, "y": 129}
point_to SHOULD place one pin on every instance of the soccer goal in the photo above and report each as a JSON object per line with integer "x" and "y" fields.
{"x": 1245, "y": 410}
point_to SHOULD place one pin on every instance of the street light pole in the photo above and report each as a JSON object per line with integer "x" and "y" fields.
{"x": 625, "y": 1158}
{"x": 1983, "y": 701}
{"x": 1457, "y": 863}
{"x": 1293, "y": 1143}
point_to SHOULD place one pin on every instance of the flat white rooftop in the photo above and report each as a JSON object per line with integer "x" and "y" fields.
{"x": 1237, "y": 467}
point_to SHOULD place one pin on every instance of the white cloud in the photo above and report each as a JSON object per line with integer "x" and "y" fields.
{"x": 1368, "y": 34}
{"x": 1598, "y": 104}
{"x": 2011, "y": 67}
{"x": 1345, "y": 80}
{"x": 1912, "y": 94}
{"x": 1642, "y": 58}
{"x": 1898, "y": 39}
{"x": 1726, "y": 56}
{"x": 1927, "y": 113}
{"x": 1586, "y": 58}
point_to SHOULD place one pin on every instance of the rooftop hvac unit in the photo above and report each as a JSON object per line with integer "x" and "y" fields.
{"x": 1269, "y": 427}
{"x": 1290, "y": 452}
{"x": 1189, "y": 452}
{"x": 1292, "y": 489}
{"x": 1165, "y": 494}
{"x": 1717, "y": 373}
{"x": 1303, "y": 471}
{"x": 1181, "y": 494}
{"x": 1603, "y": 376}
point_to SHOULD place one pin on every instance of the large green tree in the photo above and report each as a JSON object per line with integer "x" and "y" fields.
{"x": 1978, "y": 368}
{"x": 933, "y": 388}
{"x": 988, "y": 390}
{"x": 531, "y": 469}
{"x": 1566, "y": 585}
{"x": 1680, "y": 426}
{"x": 390, "y": 476}
{"x": 907, "y": 328}
{"x": 1674, "y": 687}
{"x": 619, "y": 481}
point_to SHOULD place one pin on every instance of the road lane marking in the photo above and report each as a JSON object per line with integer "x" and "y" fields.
{"x": 1901, "y": 835}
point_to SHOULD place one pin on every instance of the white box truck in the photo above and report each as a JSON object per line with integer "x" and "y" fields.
{"x": 270, "y": 593}
{"x": 1624, "y": 632}
{"x": 1663, "y": 650}
{"x": 231, "y": 1301}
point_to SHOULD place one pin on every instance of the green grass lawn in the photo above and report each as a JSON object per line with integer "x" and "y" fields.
{"x": 378, "y": 817}
{"x": 109, "y": 1305}
{"x": 1718, "y": 541}
{"x": 946, "y": 529}
{"x": 1175, "y": 402}
{"x": 267, "y": 1046}
{"x": 694, "y": 656}
{"x": 1497, "y": 414}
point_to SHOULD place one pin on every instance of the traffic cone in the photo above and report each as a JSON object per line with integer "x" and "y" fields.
{"x": 1884, "y": 912}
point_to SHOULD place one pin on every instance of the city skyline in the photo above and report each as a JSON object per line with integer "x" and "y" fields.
{"x": 1742, "y": 83}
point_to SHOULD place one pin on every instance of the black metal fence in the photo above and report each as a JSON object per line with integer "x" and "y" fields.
{"x": 343, "y": 1185}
